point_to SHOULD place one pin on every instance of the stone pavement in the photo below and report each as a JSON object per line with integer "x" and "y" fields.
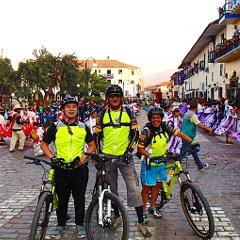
{"x": 19, "y": 187}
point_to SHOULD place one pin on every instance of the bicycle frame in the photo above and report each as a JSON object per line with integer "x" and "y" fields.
{"x": 178, "y": 170}
{"x": 99, "y": 190}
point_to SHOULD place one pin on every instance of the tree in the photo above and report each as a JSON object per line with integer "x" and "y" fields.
{"x": 7, "y": 76}
{"x": 98, "y": 84}
{"x": 71, "y": 76}
{"x": 37, "y": 74}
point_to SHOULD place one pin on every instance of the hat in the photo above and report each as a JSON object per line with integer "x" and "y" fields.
{"x": 175, "y": 109}
{"x": 17, "y": 106}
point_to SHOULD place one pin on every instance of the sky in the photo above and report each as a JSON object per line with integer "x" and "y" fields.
{"x": 152, "y": 34}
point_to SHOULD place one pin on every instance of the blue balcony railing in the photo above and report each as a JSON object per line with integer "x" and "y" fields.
{"x": 236, "y": 6}
{"x": 226, "y": 13}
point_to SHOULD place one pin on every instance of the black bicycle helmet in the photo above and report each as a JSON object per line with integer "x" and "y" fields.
{"x": 155, "y": 111}
{"x": 114, "y": 89}
{"x": 69, "y": 100}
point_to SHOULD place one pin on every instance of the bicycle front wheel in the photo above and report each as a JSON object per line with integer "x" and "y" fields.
{"x": 197, "y": 210}
{"x": 41, "y": 217}
{"x": 110, "y": 229}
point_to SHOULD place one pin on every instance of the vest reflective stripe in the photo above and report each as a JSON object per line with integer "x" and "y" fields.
{"x": 115, "y": 139}
{"x": 159, "y": 146}
{"x": 189, "y": 128}
{"x": 69, "y": 146}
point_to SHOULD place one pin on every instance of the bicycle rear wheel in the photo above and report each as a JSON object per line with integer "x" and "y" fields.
{"x": 94, "y": 231}
{"x": 197, "y": 210}
{"x": 41, "y": 217}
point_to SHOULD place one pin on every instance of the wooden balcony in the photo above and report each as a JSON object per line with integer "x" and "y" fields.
{"x": 229, "y": 56}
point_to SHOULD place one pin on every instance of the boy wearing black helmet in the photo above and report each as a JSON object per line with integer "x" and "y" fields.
{"x": 71, "y": 176}
{"x": 153, "y": 143}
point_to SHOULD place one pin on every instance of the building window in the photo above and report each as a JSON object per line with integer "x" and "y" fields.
{"x": 95, "y": 71}
{"x": 120, "y": 81}
{"x": 221, "y": 69}
{"x": 132, "y": 72}
{"x": 119, "y": 71}
{"x": 109, "y": 71}
{"x": 223, "y": 38}
{"x": 132, "y": 82}
{"x": 99, "y": 70}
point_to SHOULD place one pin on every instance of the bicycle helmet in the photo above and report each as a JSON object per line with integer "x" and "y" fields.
{"x": 155, "y": 111}
{"x": 114, "y": 89}
{"x": 69, "y": 100}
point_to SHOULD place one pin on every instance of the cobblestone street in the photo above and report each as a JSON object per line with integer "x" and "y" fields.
{"x": 19, "y": 187}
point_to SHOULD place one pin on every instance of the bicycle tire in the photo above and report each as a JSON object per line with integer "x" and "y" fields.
{"x": 44, "y": 199}
{"x": 204, "y": 232}
{"x": 90, "y": 212}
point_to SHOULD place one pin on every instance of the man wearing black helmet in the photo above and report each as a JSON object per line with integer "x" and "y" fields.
{"x": 117, "y": 131}
{"x": 153, "y": 143}
{"x": 71, "y": 176}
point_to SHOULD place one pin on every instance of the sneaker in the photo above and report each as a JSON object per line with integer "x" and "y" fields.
{"x": 145, "y": 218}
{"x": 142, "y": 227}
{"x": 58, "y": 231}
{"x": 156, "y": 213}
{"x": 115, "y": 222}
{"x": 81, "y": 232}
{"x": 205, "y": 166}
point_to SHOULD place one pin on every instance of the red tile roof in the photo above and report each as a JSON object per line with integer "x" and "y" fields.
{"x": 107, "y": 63}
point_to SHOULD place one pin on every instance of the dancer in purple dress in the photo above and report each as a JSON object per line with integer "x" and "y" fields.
{"x": 183, "y": 107}
{"x": 229, "y": 124}
{"x": 175, "y": 121}
{"x": 211, "y": 120}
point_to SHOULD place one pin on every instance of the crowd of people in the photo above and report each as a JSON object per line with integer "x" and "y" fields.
{"x": 112, "y": 129}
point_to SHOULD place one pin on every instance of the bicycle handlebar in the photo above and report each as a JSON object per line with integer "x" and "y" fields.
{"x": 37, "y": 160}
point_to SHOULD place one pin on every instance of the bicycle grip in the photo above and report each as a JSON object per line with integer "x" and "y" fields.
{"x": 29, "y": 163}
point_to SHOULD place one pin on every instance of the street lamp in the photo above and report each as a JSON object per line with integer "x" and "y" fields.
{"x": 94, "y": 65}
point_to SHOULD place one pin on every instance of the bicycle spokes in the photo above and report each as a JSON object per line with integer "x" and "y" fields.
{"x": 197, "y": 210}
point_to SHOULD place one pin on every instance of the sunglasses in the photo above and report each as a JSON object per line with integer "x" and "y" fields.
{"x": 115, "y": 95}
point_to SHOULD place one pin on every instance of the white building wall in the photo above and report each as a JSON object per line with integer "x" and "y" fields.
{"x": 130, "y": 79}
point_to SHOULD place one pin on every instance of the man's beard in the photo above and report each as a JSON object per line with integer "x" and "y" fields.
{"x": 115, "y": 107}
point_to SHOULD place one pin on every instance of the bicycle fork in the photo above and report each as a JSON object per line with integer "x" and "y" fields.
{"x": 100, "y": 206}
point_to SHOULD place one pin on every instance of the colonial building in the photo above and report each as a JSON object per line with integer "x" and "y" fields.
{"x": 212, "y": 67}
{"x": 227, "y": 51}
{"x": 127, "y": 76}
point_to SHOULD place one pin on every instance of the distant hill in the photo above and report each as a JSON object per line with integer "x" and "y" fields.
{"x": 159, "y": 77}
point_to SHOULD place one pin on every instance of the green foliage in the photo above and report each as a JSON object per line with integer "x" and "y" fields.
{"x": 7, "y": 75}
{"x": 98, "y": 84}
{"x": 46, "y": 72}
{"x": 96, "y": 99}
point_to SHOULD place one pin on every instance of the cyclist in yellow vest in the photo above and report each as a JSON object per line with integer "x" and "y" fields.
{"x": 153, "y": 142}
{"x": 69, "y": 137}
{"x": 117, "y": 133}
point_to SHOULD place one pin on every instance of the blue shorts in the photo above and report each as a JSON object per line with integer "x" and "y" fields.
{"x": 151, "y": 177}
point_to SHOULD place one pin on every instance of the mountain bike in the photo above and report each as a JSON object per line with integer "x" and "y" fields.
{"x": 46, "y": 200}
{"x": 105, "y": 206}
{"x": 194, "y": 204}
